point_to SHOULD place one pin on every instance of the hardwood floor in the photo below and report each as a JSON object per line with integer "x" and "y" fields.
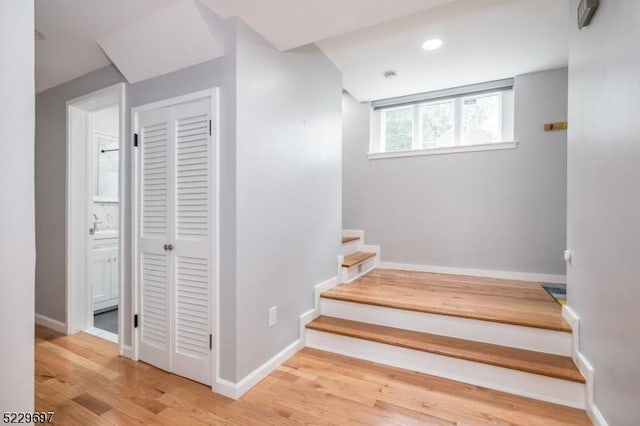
{"x": 85, "y": 382}
{"x": 505, "y": 301}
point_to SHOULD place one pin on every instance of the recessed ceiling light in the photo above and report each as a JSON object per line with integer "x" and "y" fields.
{"x": 433, "y": 44}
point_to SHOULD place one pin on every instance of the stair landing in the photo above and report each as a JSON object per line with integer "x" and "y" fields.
{"x": 498, "y": 300}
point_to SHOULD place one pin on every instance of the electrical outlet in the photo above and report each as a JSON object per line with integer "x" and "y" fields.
{"x": 273, "y": 316}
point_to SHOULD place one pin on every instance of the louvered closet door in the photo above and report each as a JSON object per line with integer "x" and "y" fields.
{"x": 192, "y": 233}
{"x": 175, "y": 240}
{"x": 154, "y": 262}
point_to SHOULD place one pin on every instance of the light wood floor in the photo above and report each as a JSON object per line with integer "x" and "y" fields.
{"x": 85, "y": 382}
{"x": 505, "y": 301}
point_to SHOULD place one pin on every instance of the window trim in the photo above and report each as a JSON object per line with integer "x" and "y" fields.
{"x": 462, "y": 91}
{"x": 493, "y": 146}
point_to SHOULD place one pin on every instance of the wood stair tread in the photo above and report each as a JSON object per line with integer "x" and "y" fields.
{"x": 346, "y": 240}
{"x": 356, "y": 258}
{"x": 557, "y": 366}
{"x": 518, "y": 303}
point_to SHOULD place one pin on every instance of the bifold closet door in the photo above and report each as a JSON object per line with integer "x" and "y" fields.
{"x": 191, "y": 351}
{"x": 175, "y": 240}
{"x": 154, "y": 266}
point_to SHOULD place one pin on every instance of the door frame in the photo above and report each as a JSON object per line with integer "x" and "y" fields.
{"x": 213, "y": 95}
{"x": 78, "y": 191}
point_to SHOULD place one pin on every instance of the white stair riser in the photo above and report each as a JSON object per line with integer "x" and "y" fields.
{"x": 351, "y": 247}
{"x": 517, "y": 382}
{"x": 535, "y": 339}
{"x": 356, "y": 271}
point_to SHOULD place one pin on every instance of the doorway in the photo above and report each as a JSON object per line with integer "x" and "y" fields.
{"x": 95, "y": 131}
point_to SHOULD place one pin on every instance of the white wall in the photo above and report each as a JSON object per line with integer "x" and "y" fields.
{"x": 492, "y": 210}
{"x": 603, "y": 229}
{"x": 288, "y": 189}
{"x": 17, "y": 245}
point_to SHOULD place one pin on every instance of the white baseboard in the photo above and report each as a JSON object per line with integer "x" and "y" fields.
{"x": 236, "y": 390}
{"x": 55, "y": 325}
{"x": 520, "y": 276}
{"x": 325, "y": 286}
{"x": 305, "y": 319}
{"x": 103, "y": 334}
{"x": 127, "y": 351}
{"x": 517, "y": 382}
{"x": 585, "y": 367}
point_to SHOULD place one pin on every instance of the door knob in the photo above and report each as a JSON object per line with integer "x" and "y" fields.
{"x": 168, "y": 247}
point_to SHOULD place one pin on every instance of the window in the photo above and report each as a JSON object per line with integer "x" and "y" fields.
{"x": 437, "y": 122}
{"x": 398, "y": 128}
{"x": 460, "y": 122}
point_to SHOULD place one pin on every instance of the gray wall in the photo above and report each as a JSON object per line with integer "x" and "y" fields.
{"x": 50, "y": 178}
{"x": 288, "y": 189}
{"x": 280, "y": 187}
{"x": 603, "y": 229}
{"x": 493, "y": 210}
{"x": 17, "y": 245}
{"x": 51, "y": 164}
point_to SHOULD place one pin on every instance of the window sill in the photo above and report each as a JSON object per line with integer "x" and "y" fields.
{"x": 439, "y": 151}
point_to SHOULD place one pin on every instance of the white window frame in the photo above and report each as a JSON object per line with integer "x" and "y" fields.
{"x": 506, "y": 119}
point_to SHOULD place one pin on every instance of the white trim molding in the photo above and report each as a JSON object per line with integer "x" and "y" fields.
{"x": 127, "y": 351}
{"x": 103, "y": 334}
{"x": 585, "y": 367}
{"x": 508, "y": 275}
{"x": 439, "y": 151}
{"x": 236, "y": 390}
{"x": 55, "y": 325}
{"x": 326, "y": 286}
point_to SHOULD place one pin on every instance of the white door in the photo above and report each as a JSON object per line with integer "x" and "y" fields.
{"x": 175, "y": 238}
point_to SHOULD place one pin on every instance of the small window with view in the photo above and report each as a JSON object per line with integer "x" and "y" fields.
{"x": 463, "y": 120}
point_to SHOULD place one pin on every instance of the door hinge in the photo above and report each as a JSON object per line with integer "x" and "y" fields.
{"x": 135, "y": 321}
{"x": 211, "y": 342}
{"x": 209, "y": 127}
{"x": 135, "y": 139}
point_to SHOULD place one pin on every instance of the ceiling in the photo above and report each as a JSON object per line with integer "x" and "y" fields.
{"x": 71, "y": 28}
{"x": 174, "y": 37}
{"x": 484, "y": 40}
{"x": 293, "y": 23}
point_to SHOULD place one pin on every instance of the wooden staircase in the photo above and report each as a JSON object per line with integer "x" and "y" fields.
{"x": 358, "y": 257}
{"x": 499, "y": 334}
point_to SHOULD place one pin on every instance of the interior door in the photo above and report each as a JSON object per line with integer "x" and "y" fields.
{"x": 175, "y": 238}
{"x": 154, "y": 267}
{"x": 191, "y": 355}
